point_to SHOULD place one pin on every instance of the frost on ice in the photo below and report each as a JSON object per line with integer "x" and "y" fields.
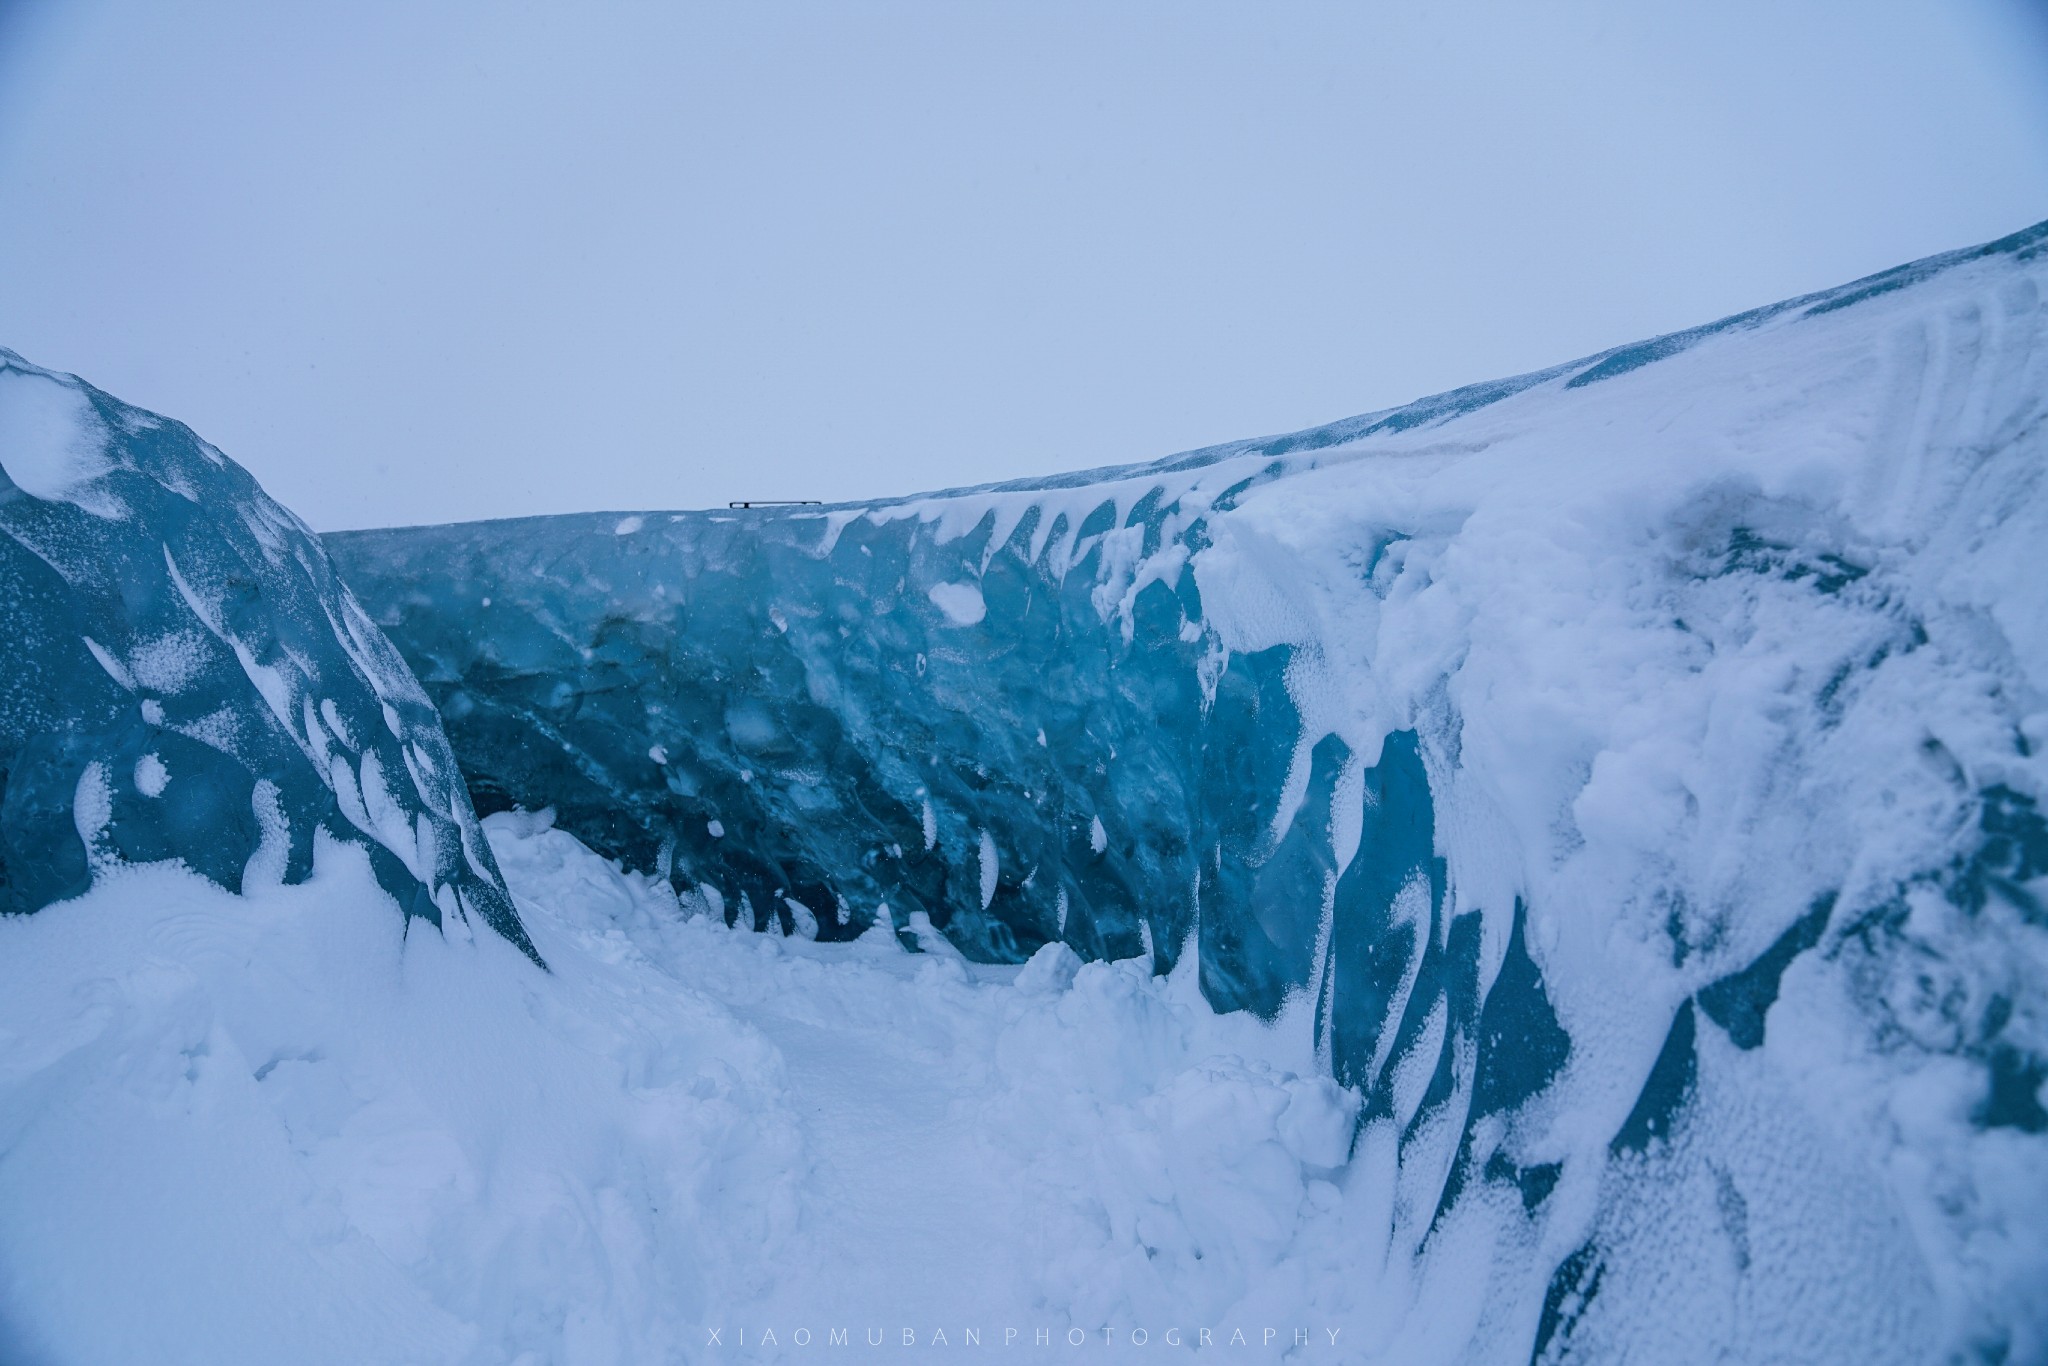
{"x": 179, "y": 645}
{"x": 1635, "y": 768}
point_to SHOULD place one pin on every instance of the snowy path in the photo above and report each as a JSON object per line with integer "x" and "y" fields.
{"x": 905, "y": 1175}
{"x": 679, "y": 1141}
{"x": 981, "y": 1148}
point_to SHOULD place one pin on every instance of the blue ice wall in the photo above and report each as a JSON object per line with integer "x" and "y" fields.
{"x": 1554, "y": 771}
{"x": 977, "y": 714}
{"x": 188, "y": 680}
{"x": 791, "y": 712}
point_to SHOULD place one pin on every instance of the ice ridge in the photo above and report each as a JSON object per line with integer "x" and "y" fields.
{"x": 189, "y": 681}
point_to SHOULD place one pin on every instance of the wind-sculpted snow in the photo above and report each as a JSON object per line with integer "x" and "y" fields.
{"x": 187, "y": 679}
{"x": 1636, "y": 765}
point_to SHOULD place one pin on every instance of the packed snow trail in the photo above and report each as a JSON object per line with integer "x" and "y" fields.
{"x": 878, "y": 1114}
{"x": 959, "y": 1125}
{"x": 267, "y": 1128}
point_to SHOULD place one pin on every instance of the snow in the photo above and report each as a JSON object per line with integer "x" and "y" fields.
{"x": 991, "y": 868}
{"x": 51, "y": 441}
{"x": 961, "y": 602}
{"x": 272, "y": 1127}
{"x": 151, "y": 777}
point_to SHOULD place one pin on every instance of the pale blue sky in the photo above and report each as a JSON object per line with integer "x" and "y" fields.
{"x": 430, "y": 262}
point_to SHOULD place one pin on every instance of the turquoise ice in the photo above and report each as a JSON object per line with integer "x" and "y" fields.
{"x": 188, "y": 680}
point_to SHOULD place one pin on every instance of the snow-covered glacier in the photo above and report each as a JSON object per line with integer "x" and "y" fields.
{"x": 1554, "y": 872}
{"x": 188, "y": 680}
{"x": 1633, "y": 770}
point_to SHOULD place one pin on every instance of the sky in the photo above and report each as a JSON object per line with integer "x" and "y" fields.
{"x": 432, "y": 262}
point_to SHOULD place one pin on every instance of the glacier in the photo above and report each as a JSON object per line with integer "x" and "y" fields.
{"x": 1553, "y": 872}
{"x": 188, "y": 680}
{"x": 1636, "y": 764}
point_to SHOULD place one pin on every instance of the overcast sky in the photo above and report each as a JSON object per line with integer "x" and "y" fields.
{"x": 415, "y": 263}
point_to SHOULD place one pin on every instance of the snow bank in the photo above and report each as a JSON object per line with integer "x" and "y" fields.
{"x": 272, "y": 1127}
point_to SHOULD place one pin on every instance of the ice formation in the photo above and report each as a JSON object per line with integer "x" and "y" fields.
{"x": 1635, "y": 767}
{"x": 188, "y": 680}
{"x": 1554, "y": 872}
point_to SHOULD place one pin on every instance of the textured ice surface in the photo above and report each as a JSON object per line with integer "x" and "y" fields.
{"x": 1637, "y": 766}
{"x": 187, "y": 679}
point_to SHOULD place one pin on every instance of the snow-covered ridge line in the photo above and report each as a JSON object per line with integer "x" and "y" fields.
{"x": 1636, "y": 765}
{"x": 1422, "y": 413}
{"x": 189, "y": 680}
